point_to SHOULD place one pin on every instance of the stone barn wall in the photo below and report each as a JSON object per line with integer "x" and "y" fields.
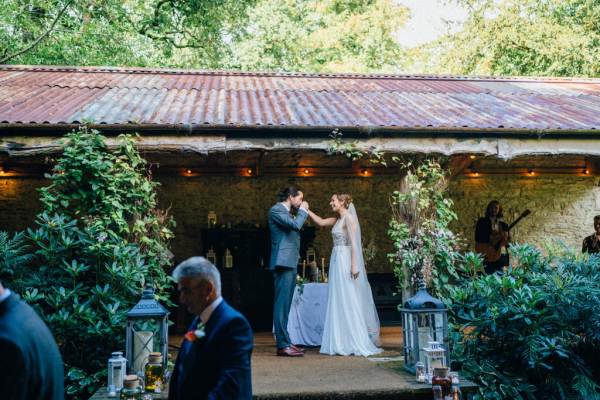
{"x": 562, "y": 206}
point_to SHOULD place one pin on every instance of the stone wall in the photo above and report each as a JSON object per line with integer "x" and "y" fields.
{"x": 562, "y": 206}
{"x": 247, "y": 200}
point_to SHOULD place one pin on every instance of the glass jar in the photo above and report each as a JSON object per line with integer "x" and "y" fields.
{"x": 420, "y": 372}
{"x": 153, "y": 373}
{"x": 131, "y": 388}
{"x": 441, "y": 378}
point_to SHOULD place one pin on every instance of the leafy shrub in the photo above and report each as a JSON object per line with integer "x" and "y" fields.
{"x": 99, "y": 239}
{"x": 419, "y": 228}
{"x": 532, "y": 332}
{"x": 13, "y": 254}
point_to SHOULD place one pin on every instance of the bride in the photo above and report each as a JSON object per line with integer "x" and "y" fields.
{"x": 351, "y": 322}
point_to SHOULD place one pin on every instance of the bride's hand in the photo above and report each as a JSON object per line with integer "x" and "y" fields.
{"x": 354, "y": 272}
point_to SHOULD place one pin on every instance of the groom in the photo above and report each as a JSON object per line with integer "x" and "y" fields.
{"x": 285, "y": 249}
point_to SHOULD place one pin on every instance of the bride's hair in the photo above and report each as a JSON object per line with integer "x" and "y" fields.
{"x": 345, "y": 198}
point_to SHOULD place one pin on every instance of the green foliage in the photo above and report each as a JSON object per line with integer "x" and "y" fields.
{"x": 321, "y": 36}
{"x": 525, "y": 37}
{"x": 532, "y": 332}
{"x": 303, "y": 35}
{"x": 13, "y": 254}
{"x": 352, "y": 150}
{"x": 421, "y": 214}
{"x": 98, "y": 241}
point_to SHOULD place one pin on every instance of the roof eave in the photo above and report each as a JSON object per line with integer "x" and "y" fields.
{"x": 44, "y": 129}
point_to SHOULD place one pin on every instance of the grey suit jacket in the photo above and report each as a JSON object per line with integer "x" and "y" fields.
{"x": 285, "y": 236}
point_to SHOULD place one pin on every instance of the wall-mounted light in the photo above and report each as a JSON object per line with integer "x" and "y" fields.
{"x": 364, "y": 172}
{"x": 472, "y": 156}
{"x": 530, "y": 172}
{"x": 586, "y": 171}
{"x": 249, "y": 171}
{"x": 188, "y": 171}
{"x": 306, "y": 171}
{"x": 1, "y": 170}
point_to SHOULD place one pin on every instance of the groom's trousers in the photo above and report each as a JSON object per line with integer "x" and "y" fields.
{"x": 285, "y": 284}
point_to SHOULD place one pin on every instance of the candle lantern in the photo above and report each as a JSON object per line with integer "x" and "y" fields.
{"x": 424, "y": 320}
{"x": 146, "y": 332}
{"x": 116, "y": 371}
{"x": 435, "y": 357}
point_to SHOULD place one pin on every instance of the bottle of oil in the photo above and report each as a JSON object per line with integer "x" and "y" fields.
{"x": 153, "y": 373}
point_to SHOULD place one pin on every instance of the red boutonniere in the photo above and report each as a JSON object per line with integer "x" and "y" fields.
{"x": 195, "y": 334}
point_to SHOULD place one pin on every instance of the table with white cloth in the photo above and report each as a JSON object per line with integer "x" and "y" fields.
{"x": 307, "y": 314}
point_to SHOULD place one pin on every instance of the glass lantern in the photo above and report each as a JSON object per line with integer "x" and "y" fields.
{"x": 424, "y": 319}
{"x": 146, "y": 332}
{"x": 117, "y": 365}
{"x": 435, "y": 357}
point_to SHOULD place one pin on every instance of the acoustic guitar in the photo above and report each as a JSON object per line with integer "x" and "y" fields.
{"x": 492, "y": 251}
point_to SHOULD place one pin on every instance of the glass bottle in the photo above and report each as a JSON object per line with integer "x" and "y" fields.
{"x": 437, "y": 392}
{"x": 456, "y": 393}
{"x": 153, "y": 373}
{"x": 131, "y": 388}
{"x": 440, "y": 377}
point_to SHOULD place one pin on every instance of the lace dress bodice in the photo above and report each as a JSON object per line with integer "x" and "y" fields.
{"x": 340, "y": 235}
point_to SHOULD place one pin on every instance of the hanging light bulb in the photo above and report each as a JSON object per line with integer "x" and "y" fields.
{"x": 306, "y": 171}
{"x": 531, "y": 172}
{"x": 188, "y": 171}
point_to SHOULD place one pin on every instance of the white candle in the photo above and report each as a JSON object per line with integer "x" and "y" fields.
{"x": 142, "y": 346}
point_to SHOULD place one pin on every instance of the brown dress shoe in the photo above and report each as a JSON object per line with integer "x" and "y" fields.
{"x": 289, "y": 352}
{"x": 296, "y": 348}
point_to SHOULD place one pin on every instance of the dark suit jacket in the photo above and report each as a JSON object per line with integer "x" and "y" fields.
{"x": 285, "y": 236}
{"x": 218, "y": 365}
{"x": 30, "y": 363}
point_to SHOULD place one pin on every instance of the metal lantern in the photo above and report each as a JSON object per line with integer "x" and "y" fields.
{"x": 116, "y": 371}
{"x": 146, "y": 332}
{"x": 435, "y": 357}
{"x": 424, "y": 320}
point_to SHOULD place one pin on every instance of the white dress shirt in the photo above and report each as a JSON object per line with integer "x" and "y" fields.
{"x": 205, "y": 315}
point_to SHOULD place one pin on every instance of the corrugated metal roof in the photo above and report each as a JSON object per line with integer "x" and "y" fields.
{"x": 68, "y": 95}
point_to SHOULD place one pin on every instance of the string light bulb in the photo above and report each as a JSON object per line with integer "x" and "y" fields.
{"x": 188, "y": 171}
{"x": 1, "y": 170}
{"x": 364, "y": 172}
{"x": 472, "y": 156}
{"x": 306, "y": 171}
{"x": 586, "y": 171}
{"x": 249, "y": 171}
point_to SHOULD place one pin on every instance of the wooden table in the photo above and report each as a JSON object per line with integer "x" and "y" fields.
{"x": 102, "y": 394}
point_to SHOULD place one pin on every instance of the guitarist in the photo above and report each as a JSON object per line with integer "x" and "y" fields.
{"x": 492, "y": 238}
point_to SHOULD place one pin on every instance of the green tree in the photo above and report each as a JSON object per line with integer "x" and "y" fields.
{"x": 98, "y": 241}
{"x": 303, "y": 35}
{"x": 521, "y": 37}
{"x": 321, "y": 36}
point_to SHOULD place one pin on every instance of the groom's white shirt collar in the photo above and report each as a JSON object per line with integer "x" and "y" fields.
{"x": 205, "y": 315}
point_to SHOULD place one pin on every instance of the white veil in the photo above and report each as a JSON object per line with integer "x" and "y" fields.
{"x": 364, "y": 289}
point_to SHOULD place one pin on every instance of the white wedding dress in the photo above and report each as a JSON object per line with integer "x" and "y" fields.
{"x": 351, "y": 321}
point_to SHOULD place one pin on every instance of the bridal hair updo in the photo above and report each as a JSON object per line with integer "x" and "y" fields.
{"x": 345, "y": 198}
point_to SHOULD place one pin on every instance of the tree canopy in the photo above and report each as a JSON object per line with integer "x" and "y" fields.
{"x": 521, "y": 37}
{"x": 499, "y": 37}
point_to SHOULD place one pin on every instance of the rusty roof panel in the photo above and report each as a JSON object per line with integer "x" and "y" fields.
{"x": 58, "y": 95}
